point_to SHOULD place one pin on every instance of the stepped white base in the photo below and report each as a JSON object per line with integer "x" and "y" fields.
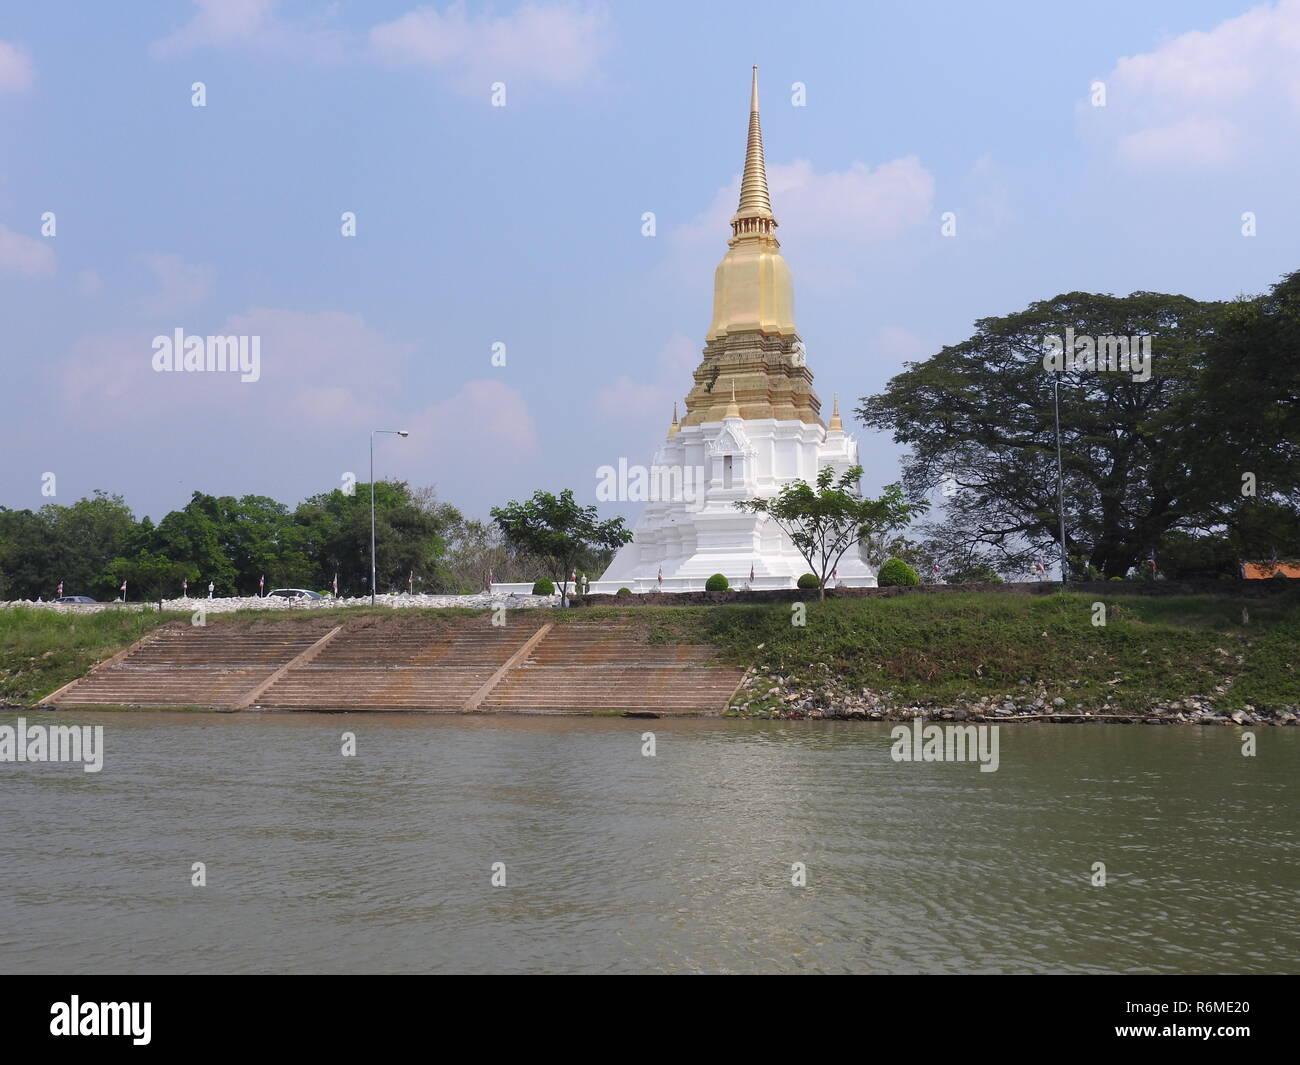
{"x": 678, "y": 543}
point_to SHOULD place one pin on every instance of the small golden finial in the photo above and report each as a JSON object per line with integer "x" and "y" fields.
{"x": 835, "y": 418}
{"x": 672, "y": 429}
{"x": 733, "y": 409}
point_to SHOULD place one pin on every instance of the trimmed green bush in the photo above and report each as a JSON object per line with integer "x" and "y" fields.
{"x": 897, "y": 572}
{"x": 717, "y": 583}
{"x": 624, "y": 591}
{"x": 809, "y": 580}
{"x": 545, "y": 586}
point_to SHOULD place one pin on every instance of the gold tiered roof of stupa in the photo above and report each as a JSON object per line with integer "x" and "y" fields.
{"x": 752, "y": 345}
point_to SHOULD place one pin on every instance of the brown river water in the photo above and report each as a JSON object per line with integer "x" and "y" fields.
{"x": 616, "y": 862}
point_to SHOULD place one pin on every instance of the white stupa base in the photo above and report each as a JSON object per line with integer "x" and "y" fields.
{"x": 679, "y": 543}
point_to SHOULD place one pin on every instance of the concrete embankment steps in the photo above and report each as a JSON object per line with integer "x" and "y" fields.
{"x": 405, "y": 664}
{"x": 182, "y": 665}
{"x": 530, "y": 665}
{"x": 603, "y": 666}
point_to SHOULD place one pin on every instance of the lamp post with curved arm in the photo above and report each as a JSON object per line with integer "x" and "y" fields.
{"x": 395, "y": 432}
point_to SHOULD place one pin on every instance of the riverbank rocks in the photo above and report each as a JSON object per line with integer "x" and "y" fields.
{"x": 770, "y": 695}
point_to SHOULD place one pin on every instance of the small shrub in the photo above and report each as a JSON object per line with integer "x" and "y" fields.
{"x": 545, "y": 586}
{"x": 624, "y": 591}
{"x": 897, "y": 572}
{"x": 808, "y": 580}
{"x": 717, "y": 583}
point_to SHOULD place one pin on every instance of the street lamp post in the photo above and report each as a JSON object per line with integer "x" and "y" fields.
{"x": 1060, "y": 478}
{"x": 395, "y": 432}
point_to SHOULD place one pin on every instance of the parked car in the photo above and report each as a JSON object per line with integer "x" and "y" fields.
{"x": 75, "y": 599}
{"x": 294, "y": 593}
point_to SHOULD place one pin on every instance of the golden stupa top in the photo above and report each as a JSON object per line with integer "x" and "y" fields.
{"x": 752, "y": 288}
{"x": 754, "y": 199}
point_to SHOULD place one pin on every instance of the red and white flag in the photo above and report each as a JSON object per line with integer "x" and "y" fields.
{"x": 336, "y": 584}
{"x": 124, "y": 591}
{"x": 60, "y": 587}
{"x": 661, "y": 575}
{"x": 261, "y": 583}
{"x": 410, "y": 583}
{"x": 185, "y": 587}
{"x": 935, "y": 567}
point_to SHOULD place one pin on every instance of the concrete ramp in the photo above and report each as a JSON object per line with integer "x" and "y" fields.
{"x": 532, "y": 664}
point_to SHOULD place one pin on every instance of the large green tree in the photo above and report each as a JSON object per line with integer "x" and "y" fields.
{"x": 979, "y": 418}
{"x": 29, "y": 558}
{"x": 1251, "y": 414}
{"x": 1247, "y": 431}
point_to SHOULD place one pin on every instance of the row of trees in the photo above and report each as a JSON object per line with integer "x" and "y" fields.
{"x": 1196, "y": 468}
{"x": 95, "y": 544}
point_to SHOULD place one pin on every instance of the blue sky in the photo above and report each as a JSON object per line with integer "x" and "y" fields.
{"x": 522, "y": 224}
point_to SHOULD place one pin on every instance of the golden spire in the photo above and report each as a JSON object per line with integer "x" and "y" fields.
{"x": 754, "y": 200}
{"x": 752, "y": 289}
{"x": 835, "y": 418}
{"x": 733, "y": 409}
{"x": 672, "y": 429}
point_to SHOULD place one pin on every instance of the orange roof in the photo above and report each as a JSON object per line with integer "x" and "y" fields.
{"x": 1259, "y": 571}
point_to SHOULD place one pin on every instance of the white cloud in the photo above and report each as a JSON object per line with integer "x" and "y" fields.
{"x": 640, "y": 402}
{"x": 217, "y": 23}
{"x": 321, "y": 372}
{"x": 894, "y": 345}
{"x": 1205, "y": 98}
{"x": 627, "y": 399}
{"x": 181, "y": 285}
{"x": 556, "y": 43}
{"x": 16, "y": 70}
{"x": 490, "y": 417}
{"x": 1199, "y": 141}
{"x": 25, "y": 256}
{"x": 860, "y": 204}
{"x": 306, "y": 352}
{"x": 305, "y": 357}
{"x": 253, "y": 24}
